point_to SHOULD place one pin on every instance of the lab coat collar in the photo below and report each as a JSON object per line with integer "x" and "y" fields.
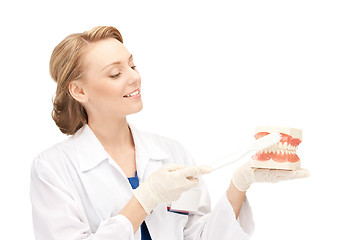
{"x": 90, "y": 151}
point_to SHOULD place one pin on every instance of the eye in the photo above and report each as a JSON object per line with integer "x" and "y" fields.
{"x": 115, "y": 76}
{"x": 133, "y": 67}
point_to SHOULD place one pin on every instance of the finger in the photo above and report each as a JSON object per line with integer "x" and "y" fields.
{"x": 205, "y": 169}
{"x": 284, "y": 173}
{"x": 301, "y": 173}
{"x": 174, "y": 167}
{"x": 196, "y": 171}
{"x": 189, "y": 172}
{"x": 289, "y": 175}
{"x": 191, "y": 182}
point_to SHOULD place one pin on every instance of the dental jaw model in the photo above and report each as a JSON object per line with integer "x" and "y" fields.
{"x": 281, "y": 155}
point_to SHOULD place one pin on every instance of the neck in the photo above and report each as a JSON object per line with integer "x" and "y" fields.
{"x": 114, "y": 134}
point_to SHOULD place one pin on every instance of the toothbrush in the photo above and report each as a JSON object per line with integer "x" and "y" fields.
{"x": 259, "y": 145}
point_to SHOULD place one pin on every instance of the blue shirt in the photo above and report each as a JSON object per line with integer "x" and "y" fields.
{"x": 134, "y": 182}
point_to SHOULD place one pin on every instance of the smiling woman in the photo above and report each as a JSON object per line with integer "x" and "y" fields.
{"x": 83, "y": 182}
{"x": 78, "y": 91}
{"x": 111, "y": 181}
{"x": 103, "y": 85}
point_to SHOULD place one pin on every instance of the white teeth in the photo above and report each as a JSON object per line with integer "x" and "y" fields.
{"x": 281, "y": 148}
{"x": 133, "y": 94}
{"x": 285, "y": 146}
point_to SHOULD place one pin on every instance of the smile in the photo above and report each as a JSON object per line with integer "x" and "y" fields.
{"x": 136, "y": 92}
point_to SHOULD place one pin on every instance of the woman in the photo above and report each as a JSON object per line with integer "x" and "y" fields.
{"x": 82, "y": 188}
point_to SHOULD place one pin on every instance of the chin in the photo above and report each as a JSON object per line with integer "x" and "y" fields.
{"x": 136, "y": 109}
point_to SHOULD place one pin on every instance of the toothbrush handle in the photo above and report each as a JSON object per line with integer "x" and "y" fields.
{"x": 228, "y": 159}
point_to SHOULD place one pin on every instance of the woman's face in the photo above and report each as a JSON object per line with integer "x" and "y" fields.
{"x": 110, "y": 75}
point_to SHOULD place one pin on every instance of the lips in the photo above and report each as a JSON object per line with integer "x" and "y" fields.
{"x": 132, "y": 93}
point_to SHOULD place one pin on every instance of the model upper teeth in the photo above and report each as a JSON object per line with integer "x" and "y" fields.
{"x": 133, "y": 94}
{"x": 283, "y": 148}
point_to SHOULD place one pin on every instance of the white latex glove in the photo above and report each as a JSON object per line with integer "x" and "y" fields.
{"x": 244, "y": 176}
{"x": 167, "y": 184}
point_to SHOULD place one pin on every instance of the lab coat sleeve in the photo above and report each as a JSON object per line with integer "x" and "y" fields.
{"x": 221, "y": 222}
{"x": 58, "y": 213}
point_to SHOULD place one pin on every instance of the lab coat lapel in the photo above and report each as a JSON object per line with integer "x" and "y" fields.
{"x": 149, "y": 155}
{"x": 89, "y": 150}
{"x": 148, "y": 152}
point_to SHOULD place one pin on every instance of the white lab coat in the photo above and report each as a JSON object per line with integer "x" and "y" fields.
{"x": 78, "y": 191}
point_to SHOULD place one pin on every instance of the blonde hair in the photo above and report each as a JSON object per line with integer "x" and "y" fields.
{"x": 65, "y": 66}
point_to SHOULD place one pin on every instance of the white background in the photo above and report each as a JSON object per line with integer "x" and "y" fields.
{"x": 211, "y": 71}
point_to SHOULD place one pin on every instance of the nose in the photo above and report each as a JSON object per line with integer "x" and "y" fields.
{"x": 134, "y": 77}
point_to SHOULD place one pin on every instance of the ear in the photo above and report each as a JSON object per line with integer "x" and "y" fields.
{"x": 77, "y": 91}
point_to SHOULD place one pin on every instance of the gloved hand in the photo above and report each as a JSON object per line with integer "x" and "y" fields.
{"x": 167, "y": 184}
{"x": 244, "y": 176}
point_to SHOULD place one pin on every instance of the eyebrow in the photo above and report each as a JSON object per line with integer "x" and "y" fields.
{"x": 116, "y": 63}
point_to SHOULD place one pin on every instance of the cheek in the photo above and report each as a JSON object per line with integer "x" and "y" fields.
{"x": 106, "y": 90}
